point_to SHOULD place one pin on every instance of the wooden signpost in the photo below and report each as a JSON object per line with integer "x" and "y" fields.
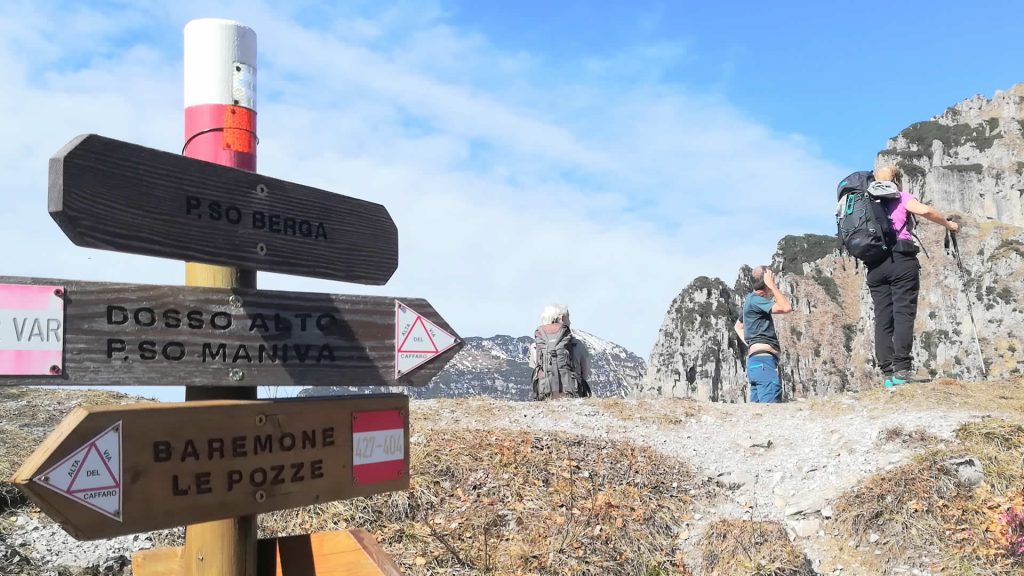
{"x": 221, "y": 458}
{"x": 149, "y": 335}
{"x": 113, "y": 195}
{"x": 114, "y": 470}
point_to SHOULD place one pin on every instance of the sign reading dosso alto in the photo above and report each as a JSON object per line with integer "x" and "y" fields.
{"x": 114, "y": 195}
{"x": 133, "y": 334}
{"x": 113, "y": 470}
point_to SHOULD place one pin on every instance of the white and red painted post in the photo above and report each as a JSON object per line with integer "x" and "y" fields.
{"x": 220, "y": 126}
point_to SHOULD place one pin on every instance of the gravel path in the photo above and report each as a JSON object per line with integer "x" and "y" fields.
{"x": 778, "y": 462}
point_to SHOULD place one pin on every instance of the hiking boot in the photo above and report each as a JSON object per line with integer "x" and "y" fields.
{"x": 901, "y": 377}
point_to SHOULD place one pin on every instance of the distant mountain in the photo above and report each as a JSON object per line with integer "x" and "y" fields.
{"x": 497, "y": 367}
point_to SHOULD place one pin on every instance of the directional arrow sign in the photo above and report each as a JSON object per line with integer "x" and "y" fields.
{"x": 113, "y": 470}
{"x": 118, "y": 196}
{"x": 135, "y": 334}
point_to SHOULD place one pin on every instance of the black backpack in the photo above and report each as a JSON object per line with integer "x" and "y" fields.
{"x": 862, "y": 220}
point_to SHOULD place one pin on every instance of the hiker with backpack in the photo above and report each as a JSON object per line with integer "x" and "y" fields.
{"x": 875, "y": 220}
{"x": 756, "y": 329}
{"x": 560, "y": 361}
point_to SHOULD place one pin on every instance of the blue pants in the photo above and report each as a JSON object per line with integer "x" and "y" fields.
{"x": 763, "y": 374}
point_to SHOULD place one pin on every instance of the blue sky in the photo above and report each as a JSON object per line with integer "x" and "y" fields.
{"x": 596, "y": 154}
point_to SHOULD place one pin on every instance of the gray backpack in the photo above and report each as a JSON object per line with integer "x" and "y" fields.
{"x": 555, "y": 370}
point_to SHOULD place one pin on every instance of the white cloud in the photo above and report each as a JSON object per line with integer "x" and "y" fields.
{"x": 513, "y": 180}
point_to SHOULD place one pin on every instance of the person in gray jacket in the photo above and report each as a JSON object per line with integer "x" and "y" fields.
{"x": 559, "y": 361}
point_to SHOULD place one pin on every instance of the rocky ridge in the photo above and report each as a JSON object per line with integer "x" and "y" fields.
{"x": 967, "y": 161}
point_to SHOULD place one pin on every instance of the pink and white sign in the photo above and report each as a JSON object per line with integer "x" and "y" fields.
{"x": 378, "y": 446}
{"x": 92, "y": 474}
{"x": 417, "y": 340}
{"x": 31, "y": 330}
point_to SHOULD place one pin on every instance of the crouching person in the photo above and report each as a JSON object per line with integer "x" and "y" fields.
{"x": 560, "y": 361}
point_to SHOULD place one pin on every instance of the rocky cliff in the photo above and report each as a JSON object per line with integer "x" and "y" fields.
{"x": 497, "y": 367}
{"x": 968, "y": 161}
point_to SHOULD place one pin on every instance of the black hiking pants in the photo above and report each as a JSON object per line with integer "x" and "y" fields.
{"x": 894, "y": 285}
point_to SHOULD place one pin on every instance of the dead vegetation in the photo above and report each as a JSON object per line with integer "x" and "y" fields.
{"x": 1005, "y": 397}
{"x": 661, "y": 412}
{"x": 750, "y": 548}
{"x": 479, "y": 409}
{"x": 924, "y": 513}
{"x": 484, "y": 502}
{"x": 916, "y": 438}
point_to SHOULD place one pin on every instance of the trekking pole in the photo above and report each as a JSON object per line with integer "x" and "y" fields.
{"x": 951, "y": 242}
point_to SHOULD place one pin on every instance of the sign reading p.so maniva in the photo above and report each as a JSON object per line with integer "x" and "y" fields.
{"x": 93, "y": 333}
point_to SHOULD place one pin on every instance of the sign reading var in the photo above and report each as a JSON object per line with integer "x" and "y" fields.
{"x": 31, "y": 330}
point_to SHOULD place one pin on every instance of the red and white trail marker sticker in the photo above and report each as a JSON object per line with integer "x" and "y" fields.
{"x": 378, "y": 446}
{"x": 91, "y": 475}
{"x": 417, "y": 340}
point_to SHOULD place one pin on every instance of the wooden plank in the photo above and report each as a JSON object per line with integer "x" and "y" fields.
{"x": 349, "y": 553}
{"x": 193, "y": 462}
{"x": 135, "y": 334}
{"x": 342, "y": 553}
{"x": 158, "y": 562}
{"x": 113, "y": 195}
{"x": 380, "y": 558}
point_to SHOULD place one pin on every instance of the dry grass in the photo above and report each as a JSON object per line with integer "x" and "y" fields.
{"x": 484, "y": 502}
{"x": 476, "y": 408}
{"x": 923, "y": 506}
{"x": 750, "y": 548}
{"x": 918, "y": 437}
{"x": 1005, "y": 397}
{"x": 901, "y": 506}
{"x": 999, "y": 445}
{"x": 661, "y": 412}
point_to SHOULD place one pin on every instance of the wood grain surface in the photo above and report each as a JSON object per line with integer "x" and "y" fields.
{"x": 191, "y": 462}
{"x": 112, "y": 195}
{"x": 153, "y": 335}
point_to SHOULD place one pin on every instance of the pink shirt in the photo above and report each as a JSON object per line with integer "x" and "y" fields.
{"x": 899, "y": 216}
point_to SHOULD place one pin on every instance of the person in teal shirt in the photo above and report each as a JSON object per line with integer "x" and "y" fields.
{"x": 756, "y": 330}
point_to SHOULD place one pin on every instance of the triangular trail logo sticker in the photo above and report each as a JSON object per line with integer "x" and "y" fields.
{"x": 91, "y": 475}
{"x": 417, "y": 340}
